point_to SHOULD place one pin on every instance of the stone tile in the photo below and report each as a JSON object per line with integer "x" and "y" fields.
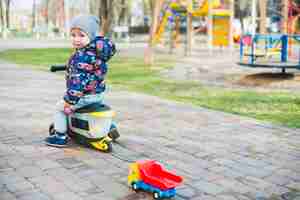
{"x": 70, "y": 162}
{"x": 18, "y": 161}
{"x": 48, "y": 184}
{"x": 66, "y": 195}
{"x": 30, "y": 171}
{"x": 234, "y": 185}
{"x": 83, "y": 171}
{"x": 60, "y": 174}
{"x": 19, "y": 187}
{"x": 294, "y": 185}
{"x": 26, "y": 150}
{"x": 251, "y": 171}
{"x": 289, "y": 173}
{"x": 278, "y": 179}
{"x": 253, "y": 182}
{"x": 35, "y": 196}
{"x": 5, "y": 166}
{"x": 186, "y": 192}
{"x": 227, "y": 197}
{"x": 78, "y": 185}
{"x": 7, "y": 196}
{"x": 205, "y": 197}
{"x": 10, "y": 177}
{"x": 93, "y": 191}
{"x": 209, "y": 188}
{"x": 45, "y": 164}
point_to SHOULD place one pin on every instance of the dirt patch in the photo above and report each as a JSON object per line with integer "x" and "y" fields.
{"x": 266, "y": 79}
{"x": 221, "y": 70}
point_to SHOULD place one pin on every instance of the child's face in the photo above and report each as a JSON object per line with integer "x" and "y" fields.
{"x": 79, "y": 38}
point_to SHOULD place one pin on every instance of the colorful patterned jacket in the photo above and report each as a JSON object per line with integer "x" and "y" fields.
{"x": 87, "y": 68}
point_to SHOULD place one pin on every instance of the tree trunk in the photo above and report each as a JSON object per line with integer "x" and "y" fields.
{"x": 1, "y": 16}
{"x": 47, "y": 13}
{"x": 94, "y": 7}
{"x": 106, "y": 16}
{"x": 263, "y": 16}
{"x": 148, "y": 56}
{"x": 285, "y": 15}
{"x": 60, "y": 15}
{"x": 7, "y": 12}
{"x": 123, "y": 13}
{"x": 33, "y": 25}
{"x": 151, "y": 5}
{"x": 144, "y": 11}
{"x": 67, "y": 17}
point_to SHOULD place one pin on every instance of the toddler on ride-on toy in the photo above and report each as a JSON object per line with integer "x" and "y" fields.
{"x": 85, "y": 73}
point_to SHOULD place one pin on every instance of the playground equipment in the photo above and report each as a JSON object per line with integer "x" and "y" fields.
{"x": 219, "y": 13}
{"x": 150, "y": 175}
{"x": 271, "y": 51}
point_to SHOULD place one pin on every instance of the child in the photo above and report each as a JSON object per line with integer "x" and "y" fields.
{"x": 85, "y": 73}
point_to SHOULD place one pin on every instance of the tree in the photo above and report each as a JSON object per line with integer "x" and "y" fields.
{"x": 123, "y": 10}
{"x": 106, "y": 15}
{"x": 263, "y": 16}
{"x": 46, "y": 12}
{"x": 148, "y": 57}
{"x": 33, "y": 25}
{"x": 7, "y": 12}
{"x": 1, "y": 15}
{"x": 151, "y": 6}
{"x": 242, "y": 10}
{"x": 94, "y": 7}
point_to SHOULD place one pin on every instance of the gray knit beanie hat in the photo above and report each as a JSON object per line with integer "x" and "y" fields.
{"x": 87, "y": 23}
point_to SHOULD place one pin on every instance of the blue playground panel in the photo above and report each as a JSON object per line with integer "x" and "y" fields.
{"x": 270, "y": 41}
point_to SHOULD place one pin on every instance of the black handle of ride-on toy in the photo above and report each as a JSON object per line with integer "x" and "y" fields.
{"x": 55, "y": 68}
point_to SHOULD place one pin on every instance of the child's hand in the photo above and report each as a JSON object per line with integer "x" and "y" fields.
{"x": 68, "y": 109}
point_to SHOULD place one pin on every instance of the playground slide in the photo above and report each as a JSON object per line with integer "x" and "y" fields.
{"x": 201, "y": 10}
{"x": 161, "y": 27}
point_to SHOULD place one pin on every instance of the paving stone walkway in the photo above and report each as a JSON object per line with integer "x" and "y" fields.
{"x": 221, "y": 156}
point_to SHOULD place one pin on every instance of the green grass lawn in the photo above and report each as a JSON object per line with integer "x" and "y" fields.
{"x": 132, "y": 75}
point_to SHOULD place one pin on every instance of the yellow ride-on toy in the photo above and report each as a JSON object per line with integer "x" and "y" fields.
{"x": 91, "y": 125}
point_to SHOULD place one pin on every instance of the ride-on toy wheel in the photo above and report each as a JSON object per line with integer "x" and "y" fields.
{"x": 113, "y": 134}
{"x": 51, "y": 129}
{"x": 103, "y": 145}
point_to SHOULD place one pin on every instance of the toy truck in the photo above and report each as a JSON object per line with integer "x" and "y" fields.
{"x": 149, "y": 175}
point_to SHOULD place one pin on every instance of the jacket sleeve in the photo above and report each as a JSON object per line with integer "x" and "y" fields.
{"x": 105, "y": 49}
{"x": 75, "y": 86}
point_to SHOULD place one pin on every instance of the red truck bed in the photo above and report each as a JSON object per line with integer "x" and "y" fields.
{"x": 154, "y": 174}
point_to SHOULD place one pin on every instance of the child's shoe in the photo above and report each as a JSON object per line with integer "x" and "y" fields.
{"x": 113, "y": 132}
{"x": 57, "y": 140}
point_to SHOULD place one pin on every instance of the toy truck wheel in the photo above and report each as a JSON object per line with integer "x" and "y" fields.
{"x": 156, "y": 195}
{"x": 134, "y": 187}
{"x": 51, "y": 129}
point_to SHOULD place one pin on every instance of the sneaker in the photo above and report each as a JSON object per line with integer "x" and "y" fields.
{"x": 57, "y": 140}
{"x": 113, "y": 132}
